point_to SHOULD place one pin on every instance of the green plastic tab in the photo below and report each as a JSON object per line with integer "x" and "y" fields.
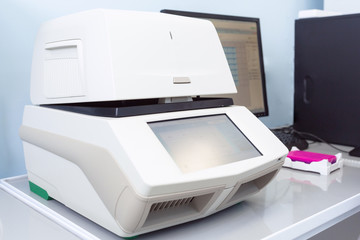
{"x": 133, "y": 237}
{"x": 39, "y": 191}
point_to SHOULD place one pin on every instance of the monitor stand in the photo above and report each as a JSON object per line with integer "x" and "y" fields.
{"x": 355, "y": 152}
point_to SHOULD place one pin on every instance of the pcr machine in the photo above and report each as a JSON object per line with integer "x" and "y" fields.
{"x": 121, "y": 130}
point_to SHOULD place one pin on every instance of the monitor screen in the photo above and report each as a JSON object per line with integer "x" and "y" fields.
{"x": 203, "y": 142}
{"x": 241, "y": 40}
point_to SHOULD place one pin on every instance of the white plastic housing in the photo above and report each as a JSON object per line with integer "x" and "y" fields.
{"x": 116, "y": 171}
{"x": 108, "y": 55}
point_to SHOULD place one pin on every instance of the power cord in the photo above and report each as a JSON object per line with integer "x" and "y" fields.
{"x": 304, "y": 134}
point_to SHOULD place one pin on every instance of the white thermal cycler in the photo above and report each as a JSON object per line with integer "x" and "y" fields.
{"x": 121, "y": 129}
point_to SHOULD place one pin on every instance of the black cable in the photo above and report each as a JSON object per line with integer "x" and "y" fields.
{"x": 319, "y": 139}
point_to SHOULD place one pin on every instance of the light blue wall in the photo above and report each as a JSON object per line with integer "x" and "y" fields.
{"x": 20, "y": 20}
{"x": 343, "y": 6}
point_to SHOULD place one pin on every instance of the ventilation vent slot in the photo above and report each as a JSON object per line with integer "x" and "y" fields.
{"x": 171, "y": 204}
{"x": 177, "y": 210}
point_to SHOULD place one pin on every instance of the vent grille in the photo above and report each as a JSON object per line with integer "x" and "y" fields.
{"x": 171, "y": 204}
{"x": 167, "y": 212}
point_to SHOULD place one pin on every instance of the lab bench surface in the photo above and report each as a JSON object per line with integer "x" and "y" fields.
{"x": 295, "y": 205}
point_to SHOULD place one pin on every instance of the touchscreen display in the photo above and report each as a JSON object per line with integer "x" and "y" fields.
{"x": 203, "y": 142}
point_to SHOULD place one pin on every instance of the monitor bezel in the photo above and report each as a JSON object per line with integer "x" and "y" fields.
{"x": 265, "y": 112}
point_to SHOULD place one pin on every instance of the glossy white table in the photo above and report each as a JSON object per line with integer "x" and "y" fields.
{"x": 18, "y": 221}
{"x": 295, "y": 205}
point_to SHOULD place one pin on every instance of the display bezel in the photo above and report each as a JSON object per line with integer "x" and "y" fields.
{"x": 248, "y": 141}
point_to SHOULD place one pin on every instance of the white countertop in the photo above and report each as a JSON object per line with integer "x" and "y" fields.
{"x": 295, "y": 205}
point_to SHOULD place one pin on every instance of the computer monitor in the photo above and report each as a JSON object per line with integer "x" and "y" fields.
{"x": 241, "y": 40}
{"x": 327, "y": 79}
